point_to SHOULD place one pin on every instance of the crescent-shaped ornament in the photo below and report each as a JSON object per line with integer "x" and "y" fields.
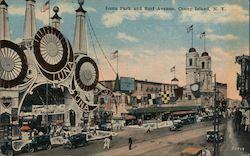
{"x": 13, "y": 64}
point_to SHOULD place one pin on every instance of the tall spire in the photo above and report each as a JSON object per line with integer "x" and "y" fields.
{"x": 80, "y": 40}
{"x": 29, "y": 25}
{"x": 56, "y": 18}
{"x": 4, "y": 21}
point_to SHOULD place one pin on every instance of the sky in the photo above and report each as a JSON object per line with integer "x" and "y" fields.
{"x": 151, "y": 41}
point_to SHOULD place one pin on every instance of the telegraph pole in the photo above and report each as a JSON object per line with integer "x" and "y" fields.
{"x": 216, "y": 122}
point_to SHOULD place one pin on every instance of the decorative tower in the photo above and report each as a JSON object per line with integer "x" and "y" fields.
{"x": 192, "y": 68}
{"x": 205, "y": 72}
{"x": 4, "y": 21}
{"x": 56, "y": 18}
{"x": 80, "y": 40}
{"x": 29, "y": 24}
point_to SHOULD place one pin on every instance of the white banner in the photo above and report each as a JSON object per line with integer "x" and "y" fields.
{"x": 48, "y": 109}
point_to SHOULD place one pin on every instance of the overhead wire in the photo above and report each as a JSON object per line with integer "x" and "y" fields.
{"x": 88, "y": 18}
{"x": 93, "y": 44}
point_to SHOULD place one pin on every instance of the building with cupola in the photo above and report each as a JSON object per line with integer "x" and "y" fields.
{"x": 199, "y": 88}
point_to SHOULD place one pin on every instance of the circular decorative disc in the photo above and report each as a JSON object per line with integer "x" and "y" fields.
{"x": 86, "y": 73}
{"x": 50, "y": 48}
{"x": 13, "y": 64}
{"x": 65, "y": 71}
{"x": 195, "y": 87}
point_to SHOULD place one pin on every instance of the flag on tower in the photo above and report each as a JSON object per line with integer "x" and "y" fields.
{"x": 45, "y": 6}
{"x": 114, "y": 55}
{"x": 190, "y": 28}
{"x": 172, "y": 69}
{"x": 202, "y": 34}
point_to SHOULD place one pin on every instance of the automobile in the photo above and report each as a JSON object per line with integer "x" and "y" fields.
{"x": 175, "y": 127}
{"x": 199, "y": 118}
{"x": 188, "y": 120}
{"x": 192, "y": 151}
{"x": 105, "y": 127}
{"x": 211, "y": 136}
{"x": 76, "y": 140}
{"x": 207, "y": 118}
{"x": 39, "y": 142}
{"x": 6, "y": 147}
{"x": 66, "y": 128}
{"x": 178, "y": 121}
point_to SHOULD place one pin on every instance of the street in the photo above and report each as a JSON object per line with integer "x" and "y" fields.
{"x": 158, "y": 142}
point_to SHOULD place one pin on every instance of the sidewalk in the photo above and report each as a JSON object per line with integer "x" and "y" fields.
{"x": 147, "y": 146}
{"x": 235, "y": 144}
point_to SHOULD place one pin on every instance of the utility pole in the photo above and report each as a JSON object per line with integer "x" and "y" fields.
{"x": 216, "y": 122}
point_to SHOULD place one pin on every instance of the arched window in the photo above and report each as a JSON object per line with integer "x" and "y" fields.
{"x": 190, "y": 62}
{"x": 203, "y": 65}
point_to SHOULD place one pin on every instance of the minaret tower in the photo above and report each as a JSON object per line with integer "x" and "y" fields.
{"x": 29, "y": 24}
{"x": 192, "y": 68}
{"x": 4, "y": 21}
{"x": 56, "y": 18}
{"x": 80, "y": 40}
{"x": 205, "y": 72}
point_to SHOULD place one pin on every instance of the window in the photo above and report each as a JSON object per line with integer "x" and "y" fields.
{"x": 190, "y": 62}
{"x": 189, "y": 97}
{"x": 203, "y": 65}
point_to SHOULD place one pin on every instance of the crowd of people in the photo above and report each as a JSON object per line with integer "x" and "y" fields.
{"x": 241, "y": 119}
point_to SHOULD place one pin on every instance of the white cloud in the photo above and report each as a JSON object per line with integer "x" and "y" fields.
{"x": 18, "y": 40}
{"x": 231, "y": 13}
{"x": 209, "y": 30}
{"x": 226, "y": 37}
{"x": 116, "y": 18}
{"x": 124, "y": 37}
{"x": 16, "y": 11}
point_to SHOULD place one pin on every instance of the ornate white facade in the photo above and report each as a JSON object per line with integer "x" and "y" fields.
{"x": 45, "y": 60}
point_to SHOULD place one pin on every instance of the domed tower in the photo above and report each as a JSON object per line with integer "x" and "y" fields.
{"x": 56, "y": 18}
{"x": 205, "y": 72}
{"x": 192, "y": 67}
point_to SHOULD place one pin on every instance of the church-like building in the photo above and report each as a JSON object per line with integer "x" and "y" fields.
{"x": 200, "y": 81}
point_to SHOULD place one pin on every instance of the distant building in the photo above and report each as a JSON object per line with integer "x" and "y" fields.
{"x": 199, "y": 88}
{"x": 140, "y": 89}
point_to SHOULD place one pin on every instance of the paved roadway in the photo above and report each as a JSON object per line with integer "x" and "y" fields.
{"x": 158, "y": 142}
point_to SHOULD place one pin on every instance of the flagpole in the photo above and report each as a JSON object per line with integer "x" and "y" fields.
{"x": 174, "y": 72}
{"x": 204, "y": 42}
{"x": 192, "y": 39}
{"x": 117, "y": 63}
{"x": 49, "y": 12}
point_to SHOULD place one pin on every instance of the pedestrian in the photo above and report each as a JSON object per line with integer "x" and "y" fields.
{"x": 207, "y": 152}
{"x": 105, "y": 143}
{"x": 237, "y": 120}
{"x": 108, "y": 142}
{"x": 130, "y": 141}
{"x": 247, "y": 114}
{"x": 148, "y": 130}
{"x": 94, "y": 132}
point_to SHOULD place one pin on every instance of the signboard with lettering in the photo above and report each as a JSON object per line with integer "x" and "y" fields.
{"x": 48, "y": 109}
{"x": 127, "y": 84}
